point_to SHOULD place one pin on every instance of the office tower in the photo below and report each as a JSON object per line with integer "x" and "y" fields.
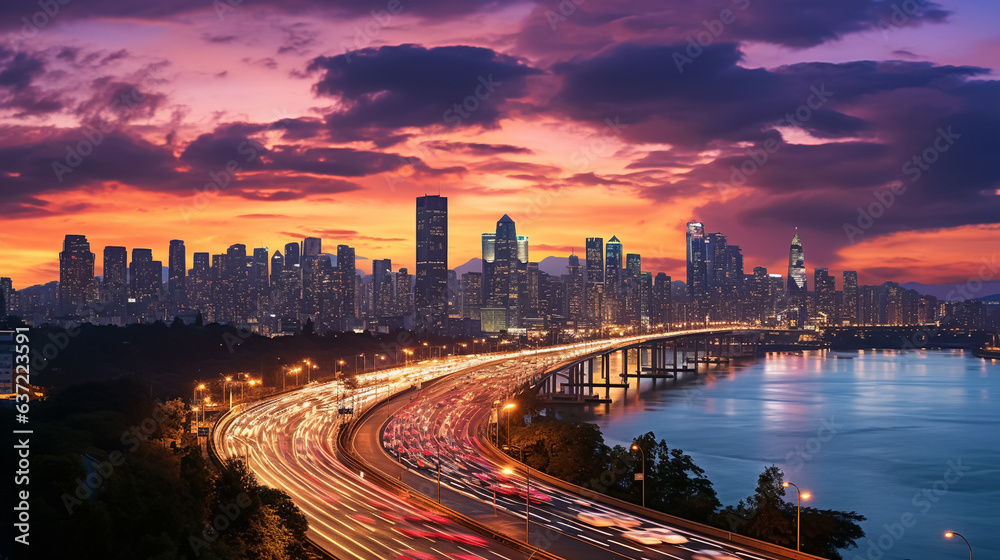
{"x": 576, "y": 308}
{"x": 145, "y": 281}
{"x": 796, "y": 267}
{"x": 277, "y": 266}
{"x": 200, "y": 285}
{"x": 645, "y": 306}
{"x": 382, "y": 288}
{"x": 314, "y": 270}
{"x": 662, "y": 304}
{"x": 346, "y": 268}
{"x": 697, "y": 271}
{"x": 431, "y": 289}
{"x": 472, "y": 295}
{"x": 76, "y": 277}
{"x": 760, "y": 295}
{"x": 403, "y": 302}
{"x": 114, "y": 286}
{"x": 501, "y": 277}
{"x": 454, "y": 299}
{"x": 235, "y": 284}
{"x": 8, "y": 345}
{"x": 826, "y": 295}
{"x": 614, "y": 281}
{"x": 633, "y": 264}
{"x": 176, "y": 275}
{"x": 292, "y": 255}
{"x": 327, "y": 290}
{"x": 7, "y": 293}
{"x": 522, "y": 249}
{"x": 259, "y": 283}
{"x": 594, "y": 291}
{"x": 312, "y": 246}
{"x": 849, "y": 310}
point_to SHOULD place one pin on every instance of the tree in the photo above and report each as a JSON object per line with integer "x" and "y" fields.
{"x": 308, "y": 329}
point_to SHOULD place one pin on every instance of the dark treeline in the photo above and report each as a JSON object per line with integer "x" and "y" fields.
{"x": 168, "y": 359}
{"x": 576, "y": 452}
{"x": 117, "y": 475}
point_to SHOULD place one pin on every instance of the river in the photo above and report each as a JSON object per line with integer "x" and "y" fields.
{"x": 909, "y": 439}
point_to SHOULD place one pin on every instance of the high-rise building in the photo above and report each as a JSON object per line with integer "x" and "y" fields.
{"x": 292, "y": 256}
{"x": 594, "y": 291}
{"x": 200, "y": 286}
{"x": 614, "y": 281}
{"x": 662, "y": 304}
{"x": 382, "y": 289}
{"x": 77, "y": 287}
{"x": 849, "y": 309}
{"x": 403, "y": 302}
{"x": 796, "y": 267}
{"x": 826, "y": 295}
{"x": 697, "y": 270}
{"x": 7, "y": 294}
{"x": 346, "y": 268}
{"x": 145, "y": 282}
{"x": 472, "y": 295}
{"x": 431, "y": 289}
{"x": 312, "y": 246}
{"x": 504, "y": 276}
{"x": 760, "y": 295}
{"x": 277, "y": 266}
{"x": 114, "y": 286}
{"x": 259, "y": 283}
{"x": 576, "y": 309}
{"x": 235, "y": 281}
{"x": 176, "y": 275}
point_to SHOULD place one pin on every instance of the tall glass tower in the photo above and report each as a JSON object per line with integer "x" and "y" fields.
{"x": 431, "y": 295}
{"x": 796, "y": 267}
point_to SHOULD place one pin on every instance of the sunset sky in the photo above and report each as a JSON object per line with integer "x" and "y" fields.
{"x": 590, "y": 119}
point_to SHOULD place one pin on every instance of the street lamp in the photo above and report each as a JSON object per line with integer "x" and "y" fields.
{"x": 799, "y": 496}
{"x": 340, "y": 370}
{"x": 643, "y": 477}
{"x": 950, "y": 534}
{"x": 507, "y": 408}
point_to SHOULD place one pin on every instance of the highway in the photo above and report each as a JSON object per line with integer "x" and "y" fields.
{"x": 442, "y": 422}
{"x": 289, "y": 442}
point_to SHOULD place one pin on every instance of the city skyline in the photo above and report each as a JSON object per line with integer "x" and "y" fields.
{"x": 545, "y": 118}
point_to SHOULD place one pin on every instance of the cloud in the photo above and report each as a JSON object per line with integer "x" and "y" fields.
{"x": 382, "y": 90}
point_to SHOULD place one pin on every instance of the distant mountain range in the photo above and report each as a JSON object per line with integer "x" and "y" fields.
{"x": 988, "y": 291}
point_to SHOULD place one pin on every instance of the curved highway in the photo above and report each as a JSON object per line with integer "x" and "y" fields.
{"x": 441, "y": 423}
{"x": 289, "y": 442}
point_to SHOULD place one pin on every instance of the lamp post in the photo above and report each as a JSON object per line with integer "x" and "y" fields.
{"x": 799, "y": 496}
{"x": 950, "y": 534}
{"x": 507, "y": 408}
{"x": 642, "y": 455}
{"x": 338, "y": 371}
{"x": 362, "y": 356}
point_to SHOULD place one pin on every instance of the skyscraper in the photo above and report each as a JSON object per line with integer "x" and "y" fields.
{"x": 76, "y": 276}
{"x": 312, "y": 246}
{"x": 277, "y": 266}
{"x": 200, "y": 285}
{"x": 502, "y": 272}
{"x": 176, "y": 275}
{"x": 575, "y": 300}
{"x": 697, "y": 269}
{"x": 849, "y": 310}
{"x": 431, "y": 289}
{"x": 145, "y": 281}
{"x": 114, "y": 285}
{"x": 6, "y": 297}
{"x": 613, "y": 281}
{"x": 346, "y": 268}
{"x": 292, "y": 255}
{"x": 826, "y": 294}
{"x": 796, "y": 267}
{"x": 594, "y": 291}
{"x": 382, "y": 288}
{"x": 472, "y": 295}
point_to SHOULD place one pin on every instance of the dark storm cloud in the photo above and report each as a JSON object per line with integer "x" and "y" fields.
{"x": 478, "y": 149}
{"x": 555, "y": 28}
{"x": 388, "y": 88}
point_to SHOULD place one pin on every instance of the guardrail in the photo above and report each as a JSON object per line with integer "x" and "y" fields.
{"x": 488, "y": 448}
{"x": 347, "y": 455}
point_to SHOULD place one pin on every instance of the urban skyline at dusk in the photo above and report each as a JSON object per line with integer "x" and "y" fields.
{"x": 126, "y": 140}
